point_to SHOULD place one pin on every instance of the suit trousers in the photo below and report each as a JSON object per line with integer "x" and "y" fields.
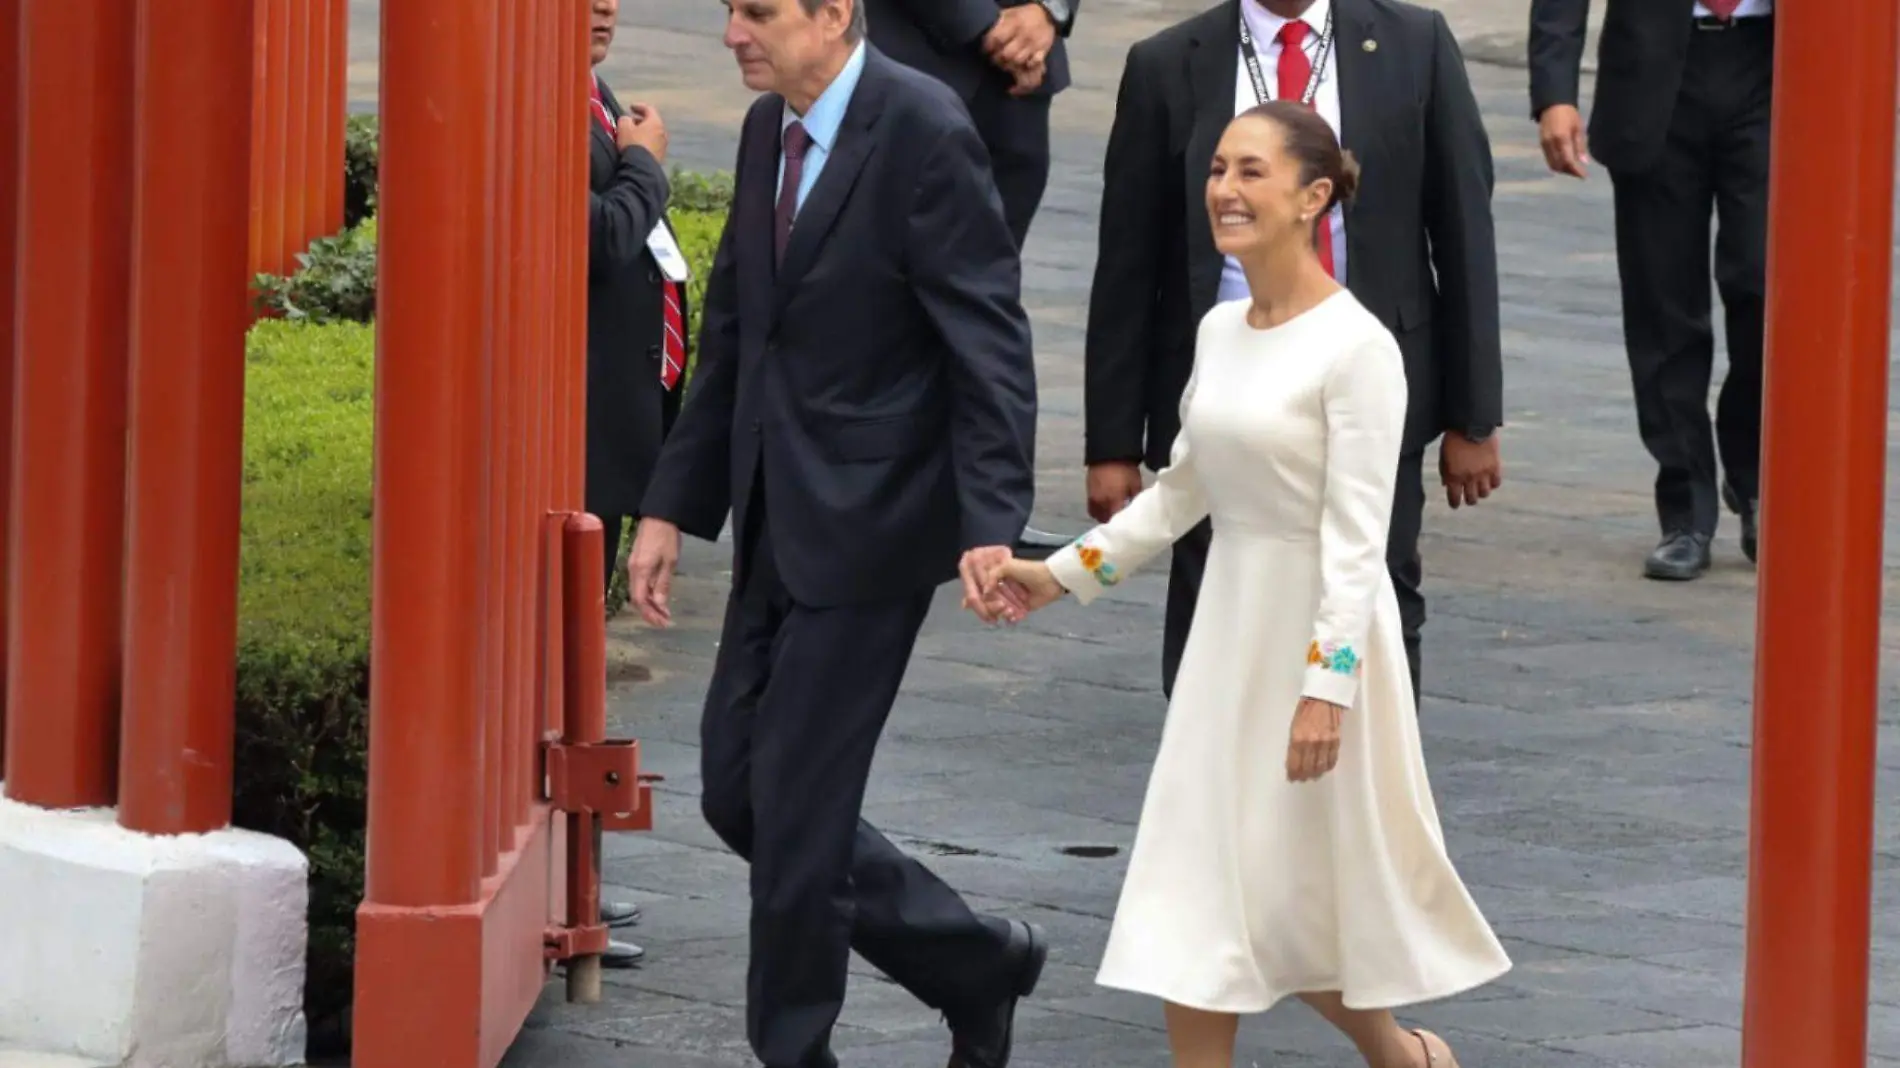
{"x": 1401, "y": 559}
{"x": 1015, "y": 130}
{"x": 799, "y": 697}
{"x": 1715, "y": 162}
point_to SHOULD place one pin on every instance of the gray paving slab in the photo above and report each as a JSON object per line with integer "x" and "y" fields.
{"x": 1588, "y": 732}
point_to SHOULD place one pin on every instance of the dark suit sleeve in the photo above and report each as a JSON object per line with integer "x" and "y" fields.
{"x": 691, "y": 485}
{"x": 1121, "y": 344}
{"x": 1556, "y": 51}
{"x": 620, "y": 217}
{"x": 952, "y": 24}
{"x": 1458, "y": 222}
{"x": 968, "y": 278}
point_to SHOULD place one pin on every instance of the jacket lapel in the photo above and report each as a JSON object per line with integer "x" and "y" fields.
{"x": 1213, "y": 59}
{"x": 753, "y": 199}
{"x": 849, "y": 150}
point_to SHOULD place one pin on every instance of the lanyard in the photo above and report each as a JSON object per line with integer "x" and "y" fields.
{"x": 1312, "y": 80}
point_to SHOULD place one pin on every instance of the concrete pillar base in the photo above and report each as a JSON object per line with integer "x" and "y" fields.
{"x": 126, "y": 950}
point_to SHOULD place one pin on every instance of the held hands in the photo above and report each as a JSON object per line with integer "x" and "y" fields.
{"x": 1313, "y": 748}
{"x": 1002, "y": 589}
{"x": 1470, "y": 470}
{"x": 642, "y": 126}
{"x": 1019, "y": 43}
{"x": 650, "y": 564}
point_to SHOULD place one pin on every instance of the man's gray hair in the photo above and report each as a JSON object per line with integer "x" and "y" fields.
{"x": 854, "y": 32}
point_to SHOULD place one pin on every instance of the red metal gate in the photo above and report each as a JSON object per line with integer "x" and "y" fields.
{"x": 490, "y": 612}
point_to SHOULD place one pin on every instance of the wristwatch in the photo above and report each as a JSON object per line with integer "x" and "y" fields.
{"x": 1061, "y": 12}
{"x": 1477, "y": 433}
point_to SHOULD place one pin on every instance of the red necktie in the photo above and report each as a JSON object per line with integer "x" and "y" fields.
{"x": 1295, "y": 72}
{"x": 673, "y": 348}
{"x": 1722, "y": 9}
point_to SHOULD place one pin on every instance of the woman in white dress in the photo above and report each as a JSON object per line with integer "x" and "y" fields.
{"x": 1289, "y": 843}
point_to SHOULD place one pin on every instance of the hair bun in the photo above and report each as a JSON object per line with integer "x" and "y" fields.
{"x": 1346, "y": 184}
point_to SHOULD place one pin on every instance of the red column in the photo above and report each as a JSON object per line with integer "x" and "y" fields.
{"x": 260, "y": 130}
{"x": 1823, "y": 500}
{"x": 297, "y": 105}
{"x": 10, "y": 85}
{"x": 69, "y": 405}
{"x": 425, "y": 743}
{"x": 338, "y": 92}
{"x": 322, "y": 173}
{"x": 185, "y": 456}
{"x": 493, "y": 512}
{"x": 570, "y": 207}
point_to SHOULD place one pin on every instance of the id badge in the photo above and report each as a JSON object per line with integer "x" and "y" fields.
{"x": 666, "y": 252}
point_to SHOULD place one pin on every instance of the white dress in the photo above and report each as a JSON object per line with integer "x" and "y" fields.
{"x": 1244, "y": 887}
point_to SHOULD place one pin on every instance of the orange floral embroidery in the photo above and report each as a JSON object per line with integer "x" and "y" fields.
{"x": 1334, "y": 657}
{"x": 1091, "y": 556}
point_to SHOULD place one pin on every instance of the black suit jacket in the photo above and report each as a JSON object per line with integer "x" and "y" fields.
{"x": 944, "y": 38}
{"x": 627, "y": 406}
{"x": 1421, "y": 253}
{"x": 879, "y": 387}
{"x": 1639, "y": 72}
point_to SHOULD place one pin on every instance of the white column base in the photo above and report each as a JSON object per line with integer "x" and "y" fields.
{"x": 127, "y": 950}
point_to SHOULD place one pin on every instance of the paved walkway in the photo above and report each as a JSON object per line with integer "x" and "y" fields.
{"x": 1587, "y": 730}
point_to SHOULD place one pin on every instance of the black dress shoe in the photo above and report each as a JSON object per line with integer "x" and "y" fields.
{"x": 983, "y": 1038}
{"x": 1680, "y": 557}
{"x": 619, "y": 913}
{"x": 1033, "y": 544}
{"x": 1747, "y": 510}
{"x": 622, "y": 955}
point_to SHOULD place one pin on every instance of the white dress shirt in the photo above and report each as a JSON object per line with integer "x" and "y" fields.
{"x": 1745, "y": 10}
{"x": 1265, "y": 26}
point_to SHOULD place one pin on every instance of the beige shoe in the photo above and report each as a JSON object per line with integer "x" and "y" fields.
{"x": 1433, "y": 1060}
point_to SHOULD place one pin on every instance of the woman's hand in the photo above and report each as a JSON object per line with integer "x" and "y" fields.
{"x": 1313, "y": 749}
{"x": 1011, "y": 589}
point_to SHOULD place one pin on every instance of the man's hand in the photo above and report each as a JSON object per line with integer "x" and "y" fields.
{"x": 1021, "y": 38}
{"x": 642, "y": 126}
{"x": 650, "y": 564}
{"x": 1561, "y": 131}
{"x": 1470, "y": 470}
{"x": 1028, "y": 79}
{"x": 977, "y": 567}
{"x": 1111, "y": 486}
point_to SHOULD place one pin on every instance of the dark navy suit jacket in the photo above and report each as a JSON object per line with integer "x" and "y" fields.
{"x": 879, "y": 386}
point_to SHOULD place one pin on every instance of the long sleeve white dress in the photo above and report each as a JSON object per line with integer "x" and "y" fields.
{"x": 1244, "y": 887}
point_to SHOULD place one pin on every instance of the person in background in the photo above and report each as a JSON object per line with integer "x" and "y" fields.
{"x": 1416, "y": 248}
{"x": 636, "y": 332}
{"x": 1006, "y": 60}
{"x": 1684, "y": 92}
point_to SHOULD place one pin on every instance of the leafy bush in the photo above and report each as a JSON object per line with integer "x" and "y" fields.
{"x": 335, "y": 280}
{"x": 304, "y": 600}
{"x": 697, "y": 191}
{"x": 303, "y": 635}
{"x": 360, "y": 147}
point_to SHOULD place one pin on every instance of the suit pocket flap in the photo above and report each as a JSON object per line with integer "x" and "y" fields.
{"x": 872, "y": 439}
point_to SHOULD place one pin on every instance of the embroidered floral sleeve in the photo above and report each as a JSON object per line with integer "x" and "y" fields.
{"x": 1364, "y": 397}
{"x": 1154, "y": 520}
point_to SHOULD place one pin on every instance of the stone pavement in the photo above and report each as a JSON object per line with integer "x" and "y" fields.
{"x": 1587, "y": 731}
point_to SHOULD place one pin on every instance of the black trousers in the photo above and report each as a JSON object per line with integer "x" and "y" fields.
{"x": 1401, "y": 558}
{"x": 799, "y": 696}
{"x": 1714, "y": 163}
{"x": 1016, "y": 132}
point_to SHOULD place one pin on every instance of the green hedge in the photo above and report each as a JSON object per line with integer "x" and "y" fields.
{"x": 303, "y": 657}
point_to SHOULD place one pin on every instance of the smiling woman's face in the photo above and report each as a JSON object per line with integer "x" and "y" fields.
{"x": 1254, "y": 195}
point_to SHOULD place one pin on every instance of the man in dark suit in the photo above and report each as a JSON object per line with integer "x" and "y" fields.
{"x": 1006, "y": 60}
{"x": 1416, "y": 248}
{"x": 1681, "y": 122}
{"x": 865, "y": 410}
{"x": 635, "y": 333}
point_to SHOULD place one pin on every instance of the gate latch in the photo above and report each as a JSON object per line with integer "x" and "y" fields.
{"x": 599, "y": 778}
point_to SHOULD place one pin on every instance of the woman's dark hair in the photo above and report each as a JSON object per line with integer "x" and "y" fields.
{"x": 1310, "y": 140}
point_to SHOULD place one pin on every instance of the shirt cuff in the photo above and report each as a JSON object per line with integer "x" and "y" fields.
{"x": 1067, "y": 565}
{"x": 1332, "y": 673}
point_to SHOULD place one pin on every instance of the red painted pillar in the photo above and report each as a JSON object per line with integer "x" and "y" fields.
{"x": 338, "y": 92}
{"x": 322, "y": 172}
{"x": 273, "y": 105}
{"x": 1823, "y": 500}
{"x": 185, "y": 457}
{"x": 298, "y": 101}
{"x": 10, "y": 86}
{"x": 492, "y": 512}
{"x": 68, "y": 511}
{"x": 260, "y": 131}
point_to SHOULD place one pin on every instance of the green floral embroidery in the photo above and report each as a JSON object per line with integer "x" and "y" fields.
{"x": 1334, "y": 657}
{"x": 1096, "y": 561}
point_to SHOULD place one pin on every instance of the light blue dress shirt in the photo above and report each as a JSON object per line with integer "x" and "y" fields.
{"x": 822, "y": 123}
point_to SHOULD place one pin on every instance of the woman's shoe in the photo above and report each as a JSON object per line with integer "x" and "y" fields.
{"x": 1433, "y": 1060}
